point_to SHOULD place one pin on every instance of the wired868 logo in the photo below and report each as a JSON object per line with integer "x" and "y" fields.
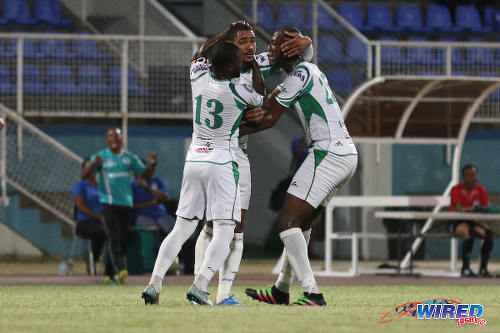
{"x": 438, "y": 309}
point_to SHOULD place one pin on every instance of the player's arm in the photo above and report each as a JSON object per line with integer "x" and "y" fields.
{"x": 257, "y": 78}
{"x": 297, "y": 44}
{"x": 205, "y": 49}
{"x": 153, "y": 161}
{"x": 90, "y": 168}
{"x": 274, "y": 113}
{"x": 80, "y": 205}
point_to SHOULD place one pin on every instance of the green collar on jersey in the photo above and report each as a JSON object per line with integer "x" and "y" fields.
{"x": 213, "y": 78}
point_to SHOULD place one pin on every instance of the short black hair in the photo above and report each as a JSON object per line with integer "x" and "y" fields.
{"x": 85, "y": 161}
{"x": 290, "y": 29}
{"x": 468, "y": 166}
{"x": 235, "y": 28}
{"x": 222, "y": 54}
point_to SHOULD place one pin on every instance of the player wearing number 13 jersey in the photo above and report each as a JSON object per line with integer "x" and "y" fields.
{"x": 210, "y": 179}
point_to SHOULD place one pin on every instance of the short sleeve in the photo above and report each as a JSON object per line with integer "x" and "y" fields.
{"x": 308, "y": 53}
{"x": 293, "y": 86}
{"x": 454, "y": 197}
{"x": 483, "y": 199}
{"x": 137, "y": 166}
{"x": 161, "y": 185}
{"x": 246, "y": 95}
{"x": 198, "y": 68}
{"x": 78, "y": 189}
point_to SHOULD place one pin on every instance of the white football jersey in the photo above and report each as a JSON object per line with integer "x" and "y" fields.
{"x": 218, "y": 106}
{"x": 306, "y": 87}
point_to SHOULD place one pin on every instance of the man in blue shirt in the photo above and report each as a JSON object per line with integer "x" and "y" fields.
{"x": 115, "y": 168}
{"x": 90, "y": 222}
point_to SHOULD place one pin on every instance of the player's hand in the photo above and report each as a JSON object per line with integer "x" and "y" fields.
{"x": 254, "y": 116}
{"x": 97, "y": 160}
{"x": 153, "y": 158}
{"x": 296, "y": 45}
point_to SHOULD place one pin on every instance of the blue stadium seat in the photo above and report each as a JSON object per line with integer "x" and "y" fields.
{"x": 31, "y": 50}
{"x": 56, "y": 48}
{"x": 438, "y": 19}
{"x": 17, "y": 11}
{"x": 134, "y": 89}
{"x": 87, "y": 49}
{"x": 352, "y": 14}
{"x": 265, "y": 16}
{"x": 6, "y": 87}
{"x": 422, "y": 55}
{"x": 32, "y": 81}
{"x": 325, "y": 20}
{"x": 91, "y": 81}
{"x": 467, "y": 18}
{"x": 329, "y": 50}
{"x": 60, "y": 80}
{"x": 392, "y": 54}
{"x": 409, "y": 18}
{"x": 488, "y": 74}
{"x": 379, "y": 17}
{"x": 9, "y": 50}
{"x": 49, "y": 12}
{"x": 340, "y": 81}
{"x": 489, "y": 17}
{"x": 482, "y": 56}
{"x": 356, "y": 51}
{"x": 290, "y": 14}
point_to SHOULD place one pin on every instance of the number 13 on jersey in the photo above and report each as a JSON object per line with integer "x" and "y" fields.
{"x": 215, "y": 105}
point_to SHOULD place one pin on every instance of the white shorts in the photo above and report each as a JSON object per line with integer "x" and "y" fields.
{"x": 319, "y": 177}
{"x": 245, "y": 181}
{"x": 210, "y": 189}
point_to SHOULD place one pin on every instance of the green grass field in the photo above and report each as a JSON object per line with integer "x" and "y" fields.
{"x": 120, "y": 309}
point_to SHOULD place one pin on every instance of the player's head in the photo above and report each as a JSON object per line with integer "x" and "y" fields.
{"x": 469, "y": 175}
{"x": 85, "y": 161}
{"x": 241, "y": 34}
{"x": 114, "y": 139}
{"x": 226, "y": 60}
{"x": 276, "y": 56}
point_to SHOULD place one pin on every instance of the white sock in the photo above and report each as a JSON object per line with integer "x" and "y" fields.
{"x": 217, "y": 252}
{"x": 201, "y": 247}
{"x": 285, "y": 278}
{"x": 171, "y": 246}
{"x": 230, "y": 267}
{"x": 296, "y": 252}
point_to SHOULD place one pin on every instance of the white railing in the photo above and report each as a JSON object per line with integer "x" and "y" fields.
{"x": 37, "y": 166}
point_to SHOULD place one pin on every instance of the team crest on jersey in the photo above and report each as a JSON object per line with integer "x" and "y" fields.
{"x": 126, "y": 160}
{"x": 260, "y": 58}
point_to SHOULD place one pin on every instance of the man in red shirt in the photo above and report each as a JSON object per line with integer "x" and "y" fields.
{"x": 466, "y": 197}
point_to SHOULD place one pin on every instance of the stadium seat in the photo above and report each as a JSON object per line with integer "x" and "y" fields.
{"x": 340, "y": 81}
{"x": 265, "y": 16}
{"x": 290, "y": 14}
{"x": 422, "y": 55}
{"x": 489, "y": 17}
{"x": 6, "y": 87}
{"x": 481, "y": 56}
{"x": 467, "y": 18}
{"x": 379, "y": 17}
{"x": 134, "y": 89}
{"x": 9, "y": 50}
{"x": 60, "y": 80}
{"x": 352, "y": 14}
{"x": 49, "y": 12}
{"x": 457, "y": 54}
{"x": 31, "y": 51}
{"x": 329, "y": 50}
{"x": 356, "y": 51}
{"x": 56, "y": 48}
{"x": 438, "y": 19}
{"x": 32, "y": 81}
{"x": 17, "y": 11}
{"x": 392, "y": 54}
{"x": 409, "y": 18}
{"x": 87, "y": 49}
{"x": 91, "y": 81}
{"x": 495, "y": 95}
{"x": 325, "y": 20}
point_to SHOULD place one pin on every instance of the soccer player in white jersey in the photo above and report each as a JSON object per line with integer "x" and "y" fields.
{"x": 210, "y": 179}
{"x": 331, "y": 162}
{"x": 254, "y": 69}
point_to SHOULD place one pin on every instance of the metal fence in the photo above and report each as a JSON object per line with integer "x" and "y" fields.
{"x": 37, "y": 166}
{"x": 74, "y": 75}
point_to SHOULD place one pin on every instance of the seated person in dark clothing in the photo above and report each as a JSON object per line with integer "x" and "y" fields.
{"x": 90, "y": 222}
{"x": 466, "y": 197}
{"x": 149, "y": 196}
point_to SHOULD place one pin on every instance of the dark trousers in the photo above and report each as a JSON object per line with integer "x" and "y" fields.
{"x": 118, "y": 222}
{"x": 96, "y": 232}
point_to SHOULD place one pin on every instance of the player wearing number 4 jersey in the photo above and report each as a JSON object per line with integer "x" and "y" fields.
{"x": 331, "y": 162}
{"x": 210, "y": 179}
{"x": 254, "y": 69}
